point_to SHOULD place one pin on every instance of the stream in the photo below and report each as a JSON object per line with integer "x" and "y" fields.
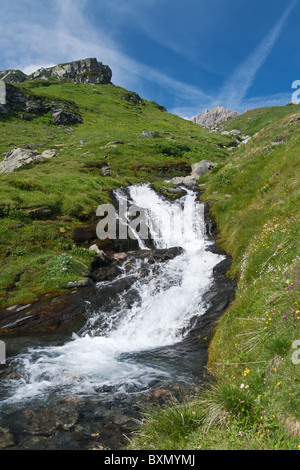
{"x": 84, "y": 390}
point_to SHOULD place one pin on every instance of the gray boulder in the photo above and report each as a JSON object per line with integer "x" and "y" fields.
{"x": 19, "y": 157}
{"x": 235, "y": 132}
{"x": 198, "y": 169}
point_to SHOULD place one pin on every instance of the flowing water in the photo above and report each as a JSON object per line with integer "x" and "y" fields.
{"x": 130, "y": 344}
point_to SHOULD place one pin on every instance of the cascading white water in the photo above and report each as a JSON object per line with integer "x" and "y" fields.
{"x": 165, "y": 304}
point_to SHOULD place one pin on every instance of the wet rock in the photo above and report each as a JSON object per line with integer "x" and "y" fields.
{"x": 160, "y": 393}
{"x": 65, "y": 312}
{"x": 174, "y": 191}
{"x": 6, "y": 438}
{"x": 82, "y": 283}
{"x": 120, "y": 256}
{"x": 47, "y": 420}
{"x": 107, "y": 273}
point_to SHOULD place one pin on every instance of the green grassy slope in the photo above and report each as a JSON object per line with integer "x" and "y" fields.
{"x": 253, "y": 401}
{"x": 38, "y": 256}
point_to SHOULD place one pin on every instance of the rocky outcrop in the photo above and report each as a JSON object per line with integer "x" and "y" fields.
{"x": 212, "y": 118}
{"x": 13, "y": 76}
{"x": 79, "y": 71}
{"x": 198, "y": 169}
{"x": 63, "y": 112}
{"x": 19, "y": 157}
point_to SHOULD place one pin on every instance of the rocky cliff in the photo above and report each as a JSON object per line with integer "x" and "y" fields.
{"x": 212, "y": 118}
{"x": 13, "y": 76}
{"x": 63, "y": 112}
{"x": 80, "y": 71}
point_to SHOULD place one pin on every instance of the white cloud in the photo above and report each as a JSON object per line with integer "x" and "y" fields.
{"x": 29, "y": 69}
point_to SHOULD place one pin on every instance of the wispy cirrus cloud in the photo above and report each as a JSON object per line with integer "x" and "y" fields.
{"x": 35, "y": 36}
{"x": 236, "y": 87}
{"x": 68, "y": 35}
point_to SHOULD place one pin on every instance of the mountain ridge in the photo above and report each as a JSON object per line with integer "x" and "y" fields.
{"x": 79, "y": 71}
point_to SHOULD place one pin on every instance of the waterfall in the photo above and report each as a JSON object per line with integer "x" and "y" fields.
{"x": 151, "y": 312}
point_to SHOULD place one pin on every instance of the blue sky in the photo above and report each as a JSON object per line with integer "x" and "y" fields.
{"x": 186, "y": 55}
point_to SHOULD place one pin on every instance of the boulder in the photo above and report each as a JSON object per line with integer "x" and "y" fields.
{"x": 235, "y": 132}
{"x": 19, "y": 157}
{"x": 198, "y": 169}
{"x": 133, "y": 98}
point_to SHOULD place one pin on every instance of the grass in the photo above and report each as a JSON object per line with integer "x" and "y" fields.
{"x": 252, "y": 401}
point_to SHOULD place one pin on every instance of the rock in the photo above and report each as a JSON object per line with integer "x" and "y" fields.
{"x": 48, "y": 154}
{"x": 148, "y": 257}
{"x": 64, "y": 118}
{"x": 198, "y": 169}
{"x": 148, "y": 134}
{"x": 63, "y": 112}
{"x": 211, "y": 118}
{"x": 132, "y": 98}
{"x": 160, "y": 393}
{"x": 188, "y": 181}
{"x": 106, "y": 170}
{"x": 175, "y": 191}
{"x": 6, "y": 438}
{"x": 120, "y": 256}
{"x": 19, "y": 157}
{"x": 88, "y": 71}
{"x": 159, "y": 106}
{"x": 99, "y": 252}
{"x": 235, "y": 132}
{"x": 40, "y": 213}
{"x": 13, "y": 76}
{"x": 202, "y": 167}
{"x": 64, "y": 313}
{"x": 48, "y": 420}
{"x": 82, "y": 283}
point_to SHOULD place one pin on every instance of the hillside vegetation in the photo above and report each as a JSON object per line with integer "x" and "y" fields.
{"x": 40, "y": 255}
{"x": 253, "y": 398}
